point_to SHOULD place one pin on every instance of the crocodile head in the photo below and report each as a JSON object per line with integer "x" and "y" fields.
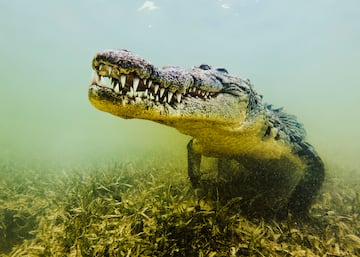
{"x": 128, "y": 86}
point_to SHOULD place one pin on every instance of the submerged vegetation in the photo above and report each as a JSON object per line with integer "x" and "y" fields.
{"x": 149, "y": 209}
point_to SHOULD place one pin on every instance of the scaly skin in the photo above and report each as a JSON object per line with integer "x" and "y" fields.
{"x": 261, "y": 152}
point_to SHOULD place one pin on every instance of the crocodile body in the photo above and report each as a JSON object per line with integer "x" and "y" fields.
{"x": 256, "y": 151}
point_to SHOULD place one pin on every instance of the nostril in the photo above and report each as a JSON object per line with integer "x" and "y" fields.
{"x": 223, "y": 70}
{"x": 204, "y": 67}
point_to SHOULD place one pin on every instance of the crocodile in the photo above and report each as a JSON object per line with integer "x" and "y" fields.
{"x": 257, "y": 152}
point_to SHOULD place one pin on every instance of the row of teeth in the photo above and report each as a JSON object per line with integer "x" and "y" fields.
{"x": 152, "y": 91}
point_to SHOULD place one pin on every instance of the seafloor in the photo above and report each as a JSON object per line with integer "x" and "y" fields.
{"x": 149, "y": 209}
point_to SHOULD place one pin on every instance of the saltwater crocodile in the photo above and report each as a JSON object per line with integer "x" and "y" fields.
{"x": 261, "y": 152}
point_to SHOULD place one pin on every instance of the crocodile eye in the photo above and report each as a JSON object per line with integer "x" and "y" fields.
{"x": 204, "y": 67}
{"x": 223, "y": 70}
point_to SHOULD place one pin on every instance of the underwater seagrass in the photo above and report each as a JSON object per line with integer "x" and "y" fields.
{"x": 260, "y": 151}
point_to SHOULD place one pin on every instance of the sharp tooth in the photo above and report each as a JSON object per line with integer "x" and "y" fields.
{"x": 102, "y": 82}
{"x": 178, "y": 97}
{"x": 162, "y": 91}
{"x": 123, "y": 80}
{"x": 170, "y": 94}
{"x": 151, "y": 97}
{"x": 157, "y": 98}
{"x": 100, "y": 67}
{"x": 131, "y": 92}
{"x": 156, "y": 88}
{"x": 150, "y": 83}
{"x": 135, "y": 83}
{"x": 108, "y": 82}
{"x": 144, "y": 80}
{"x": 94, "y": 78}
{"x": 116, "y": 88}
{"x": 109, "y": 70}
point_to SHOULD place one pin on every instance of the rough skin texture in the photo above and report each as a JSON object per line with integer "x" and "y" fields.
{"x": 241, "y": 146}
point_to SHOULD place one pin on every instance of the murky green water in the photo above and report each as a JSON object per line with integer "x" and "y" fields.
{"x": 302, "y": 55}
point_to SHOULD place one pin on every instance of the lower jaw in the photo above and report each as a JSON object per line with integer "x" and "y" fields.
{"x": 107, "y": 94}
{"x": 128, "y": 107}
{"x": 142, "y": 108}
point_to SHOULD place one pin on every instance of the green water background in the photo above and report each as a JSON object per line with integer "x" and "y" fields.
{"x": 303, "y": 55}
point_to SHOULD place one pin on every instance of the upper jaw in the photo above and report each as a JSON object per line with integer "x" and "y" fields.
{"x": 125, "y": 63}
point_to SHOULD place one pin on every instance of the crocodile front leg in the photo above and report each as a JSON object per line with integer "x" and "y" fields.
{"x": 194, "y": 160}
